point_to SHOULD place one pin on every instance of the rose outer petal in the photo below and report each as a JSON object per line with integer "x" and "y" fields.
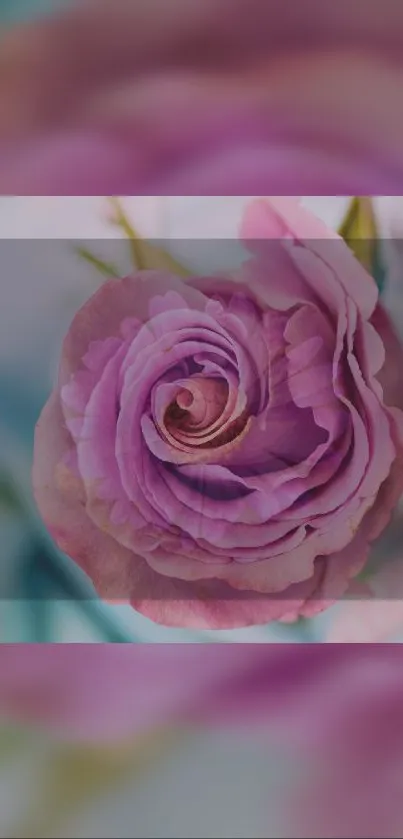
{"x": 285, "y": 217}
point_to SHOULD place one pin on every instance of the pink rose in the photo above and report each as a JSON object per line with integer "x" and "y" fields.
{"x": 220, "y": 452}
{"x": 113, "y": 98}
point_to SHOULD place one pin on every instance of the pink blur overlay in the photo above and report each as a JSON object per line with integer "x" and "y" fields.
{"x": 219, "y": 97}
{"x": 334, "y": 711}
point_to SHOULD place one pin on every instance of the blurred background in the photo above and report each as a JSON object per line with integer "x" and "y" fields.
{"x": 14, "y": 11}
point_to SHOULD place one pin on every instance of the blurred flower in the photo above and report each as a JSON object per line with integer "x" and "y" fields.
{"x": 107, "y": 693}
{"x": 336, "y": 709}
{"x": 353, "y": 786}
{"x": 112, "y": 97}
{"x": 152, "y": 468}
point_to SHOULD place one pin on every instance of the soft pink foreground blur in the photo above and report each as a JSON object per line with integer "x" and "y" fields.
{"x": 339, "y": 708}
{"x": 126, "y": 98}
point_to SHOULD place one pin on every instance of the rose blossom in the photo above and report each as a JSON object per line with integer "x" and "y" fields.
{"x": 114, "y": 97}
{"x": 219, "y": 452}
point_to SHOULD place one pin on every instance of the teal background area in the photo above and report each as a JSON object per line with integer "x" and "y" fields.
{"x": 15, "y": 11}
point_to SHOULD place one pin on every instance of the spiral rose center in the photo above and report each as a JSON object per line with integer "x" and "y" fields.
{"x": 197, "y": 406}
{"x": 185, "y": 400}
{"x": 198, "y": 413}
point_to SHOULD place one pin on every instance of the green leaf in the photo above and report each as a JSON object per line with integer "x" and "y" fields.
{"x": 145, "y": 255}
{"x": 359, "y": 229}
